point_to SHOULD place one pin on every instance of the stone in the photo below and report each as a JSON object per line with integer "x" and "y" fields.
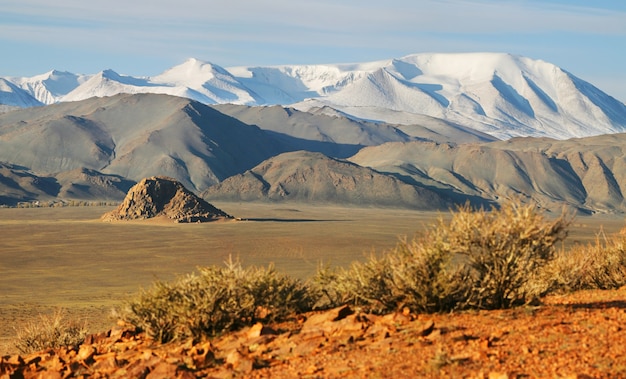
{"x": 85, "y": 353}
{"x": 259, "y": 329}
{"x": 239, "y": 362}
{"x": 498, "y": 375}
{"x": 321, "y": 321}
{"x": 163, "y": 370}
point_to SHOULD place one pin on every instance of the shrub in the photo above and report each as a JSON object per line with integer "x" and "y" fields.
{"x": 215, "y": 300}
{"x": 601, "y": 265}
{"x": 417, "y": 274}
{"x": 478, "y": 259}
{"x": 504, "y": 251}
{"x": 426, "y": 276}
{"x": 365, "y": 284}
{"x": 50, "y": 331}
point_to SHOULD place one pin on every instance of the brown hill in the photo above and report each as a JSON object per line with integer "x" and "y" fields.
{"x": 161, "y": 196}
{"x": 586, "y": 174}
{"x": 303, "y": 176}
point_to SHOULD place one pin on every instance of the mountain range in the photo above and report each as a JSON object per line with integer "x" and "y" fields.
{"x": 425, "y": 132}
{"x": 499, "y": 94}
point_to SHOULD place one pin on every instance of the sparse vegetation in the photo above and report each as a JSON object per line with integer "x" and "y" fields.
{"x": 600, "y": 265}
{"x": 505, "y": 250}
{"x": 50, "y": 331}
{"x": 475, "y": 259}
{"x": 478, "y": 259}
{"x": 215, "y": 300}
{"x": 414, "y": 274}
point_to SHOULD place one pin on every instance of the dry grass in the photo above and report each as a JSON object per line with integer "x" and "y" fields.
{"x": 476, "y": 260}
{"x": 49, "y": 331}
{"x": 87, "y": 266}
{"x": 597, "y": 265}
{"x": 216, "y": 300}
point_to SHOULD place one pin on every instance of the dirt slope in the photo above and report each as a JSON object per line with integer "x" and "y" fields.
{"x": 582, "y": 335}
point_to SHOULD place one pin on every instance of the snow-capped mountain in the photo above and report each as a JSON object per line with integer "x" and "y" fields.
{"x": 14, "y": 96}
{"x": 205, "y": 82}
{"x": 52, "y": 86}
{"x": 500, "y": 94}
{"x": 193, "y": 79}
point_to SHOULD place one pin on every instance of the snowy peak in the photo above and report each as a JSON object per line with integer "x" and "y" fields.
{"x": 206, "y": 82}
{"x": 107, "y": 83}
{"x": 50, "y": 87}
{"x": 193, "y": 70}
{"x": 500, "y": 94}
{"x": 12, "y": 95}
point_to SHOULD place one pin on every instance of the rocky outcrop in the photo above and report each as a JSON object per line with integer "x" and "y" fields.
{"x": 346, "y": 343}
{"x": 124, "y": 351}
{"x": 161, "y": 196}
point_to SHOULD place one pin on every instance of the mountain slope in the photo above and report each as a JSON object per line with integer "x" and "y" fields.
{"x": 312, "y": 177}
{"x": 13, "y": 96}
{"x": 587, "y": 174}
{"x": 500, "y": 94}
{"x": 18, "y": 184}
{"x": 134, "y": 136}
{"x": 340, "y": 136}
{"x": 96, "y": 148}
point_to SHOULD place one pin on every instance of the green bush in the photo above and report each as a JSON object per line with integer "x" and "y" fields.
{"x": 50, "y": 331}
{"x": 215, "y": 300}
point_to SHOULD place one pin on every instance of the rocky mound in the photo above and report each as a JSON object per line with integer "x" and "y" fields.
{"x": 161, "y": 196}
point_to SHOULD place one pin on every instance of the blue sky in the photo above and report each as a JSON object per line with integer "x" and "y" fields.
{"x": 145, "y": 37}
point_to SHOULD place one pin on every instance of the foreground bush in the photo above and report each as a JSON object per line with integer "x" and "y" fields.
{"x": 52, "y": 331}
{"x": 413, "y": 275}
{"x": 478, "y": 259}
{"x": 505, "y": 251}
{"x": 601, "y": 265}
{"x": 215, "y": 300}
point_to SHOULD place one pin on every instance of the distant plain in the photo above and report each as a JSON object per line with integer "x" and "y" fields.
{"x": 53, "y": 258}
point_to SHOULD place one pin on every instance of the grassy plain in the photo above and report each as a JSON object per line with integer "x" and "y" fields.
{"x": 67, "y": 258}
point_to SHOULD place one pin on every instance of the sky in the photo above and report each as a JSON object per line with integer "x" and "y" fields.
{"x": 146, "y": 37}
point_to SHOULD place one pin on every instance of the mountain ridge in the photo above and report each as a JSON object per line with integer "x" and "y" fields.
{"x": 95, "y": 149}
{"x": 500, "y": 94}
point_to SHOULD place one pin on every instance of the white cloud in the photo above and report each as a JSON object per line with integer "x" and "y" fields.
{"x": 441, "y": 16}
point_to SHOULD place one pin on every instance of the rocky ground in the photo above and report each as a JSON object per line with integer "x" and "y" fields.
{"x": 581, "y": 335}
